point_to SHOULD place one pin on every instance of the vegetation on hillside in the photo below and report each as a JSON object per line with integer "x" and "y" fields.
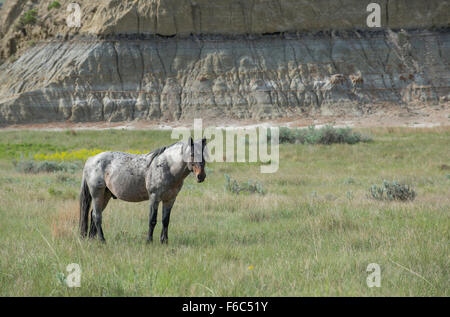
{"x": 29, "y": 17}
{"x": 54, "y": 5}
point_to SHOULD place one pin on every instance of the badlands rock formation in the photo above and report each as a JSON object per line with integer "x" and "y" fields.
{"x": 180, "y": 59}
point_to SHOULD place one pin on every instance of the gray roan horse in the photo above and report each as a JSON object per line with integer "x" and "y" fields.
{"x": 156, "y": 176}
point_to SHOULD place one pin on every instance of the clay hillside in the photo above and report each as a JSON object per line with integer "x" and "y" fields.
{"x": 181, "y": 59}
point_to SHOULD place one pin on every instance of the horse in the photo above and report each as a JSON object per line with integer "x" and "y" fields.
{"x": 156, "y": 176}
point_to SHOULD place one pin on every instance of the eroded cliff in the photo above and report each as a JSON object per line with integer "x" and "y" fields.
{"x": 240, "y": 59}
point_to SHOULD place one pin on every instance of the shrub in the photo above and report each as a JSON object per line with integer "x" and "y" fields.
{"x": 349, "y": 181}
{"x": 13, "y": 58}
{"x": 64, "y": 179}
{"x": 250, "y": 186}
{"x": 44, "y": 167}
{"x": 324, "y": 135}
{"x": 392, "y": 191}
{"x": 29, "y": 17}
{"x": 54, "y": 5}
{"x": 61, "y": 194}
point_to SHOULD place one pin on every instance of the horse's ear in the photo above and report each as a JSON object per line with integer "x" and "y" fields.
{"x": 191, "y": 146}
{"x": 205, "y": 150}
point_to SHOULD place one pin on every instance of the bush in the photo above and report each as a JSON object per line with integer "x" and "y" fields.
{"x": 349, "y": 181}
{"x": 324, "y": 135}
{"x": 62, "y": 194}
{"x": 392, "y": 191}
{"x": 251, "y": 187}
{"x": 44, "y": 167}
{"x": 29, "y": 17}
{"x": 54, "y": 5}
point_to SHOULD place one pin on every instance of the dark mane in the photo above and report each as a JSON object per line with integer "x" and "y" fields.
{"x": 160, "y": 150}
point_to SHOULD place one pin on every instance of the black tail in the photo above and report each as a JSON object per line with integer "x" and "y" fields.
{"x": 85, "y": 204}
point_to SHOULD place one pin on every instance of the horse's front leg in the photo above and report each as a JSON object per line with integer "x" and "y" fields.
{"x": 93, "y": 228}
{"x": 167, "y": 207}
{"x": 152, "y": 216}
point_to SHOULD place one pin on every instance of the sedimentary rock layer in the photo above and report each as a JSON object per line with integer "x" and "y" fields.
{"x": 175, "y": 60}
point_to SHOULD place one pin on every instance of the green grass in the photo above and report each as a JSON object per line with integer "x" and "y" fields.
{"x": 313, "y": 233}
{"x": 54, "y": 5}
{"x": 26, "y": 149}
{"x": 29, "y": 17}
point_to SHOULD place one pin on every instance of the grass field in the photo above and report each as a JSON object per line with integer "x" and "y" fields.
{"x": 313, "y": 233}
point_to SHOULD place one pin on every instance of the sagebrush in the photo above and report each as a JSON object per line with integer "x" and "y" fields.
{"x": 28, "y": 166}
{"x": 392, "y": 191}
{"x": 324, "y": 135}
{"x": 235, "y": 187}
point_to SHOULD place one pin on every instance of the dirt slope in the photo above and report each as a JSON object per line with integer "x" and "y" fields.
{"x": 175, "y": 60}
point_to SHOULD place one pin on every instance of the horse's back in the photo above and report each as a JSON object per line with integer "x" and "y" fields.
{"x": 122, "y": 173}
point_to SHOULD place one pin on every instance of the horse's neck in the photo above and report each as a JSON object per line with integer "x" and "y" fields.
{"x": 175, "y": 159}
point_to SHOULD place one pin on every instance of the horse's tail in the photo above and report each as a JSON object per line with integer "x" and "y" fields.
{"x": 85, "y": 204}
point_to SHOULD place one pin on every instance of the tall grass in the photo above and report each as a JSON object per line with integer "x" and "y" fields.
{"x": 307, "y": 236}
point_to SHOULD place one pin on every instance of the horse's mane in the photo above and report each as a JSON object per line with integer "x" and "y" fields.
{"x": 160, "y": 150}
{"x": 157, "y": 152}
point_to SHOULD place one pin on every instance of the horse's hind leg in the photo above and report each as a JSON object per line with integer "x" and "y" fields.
{"x": 97, "y": 219}
{"x": 93, "y": 229}
{"x": 99, "y": 202}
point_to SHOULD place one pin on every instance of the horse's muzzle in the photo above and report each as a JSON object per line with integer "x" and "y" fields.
{"x": 200, "y": 178}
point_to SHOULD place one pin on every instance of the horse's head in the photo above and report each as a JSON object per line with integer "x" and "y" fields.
{"x": 196, "y": 163}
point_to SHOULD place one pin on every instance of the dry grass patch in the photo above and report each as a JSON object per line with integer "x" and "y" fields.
{"x": 65, "y": 221}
